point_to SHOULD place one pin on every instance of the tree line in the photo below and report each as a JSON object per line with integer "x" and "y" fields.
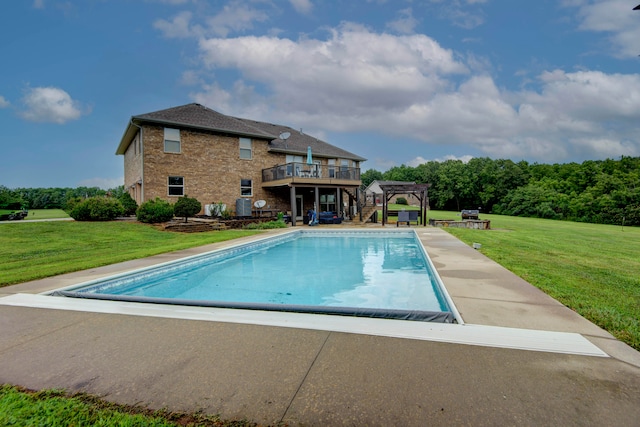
{"x": 50, "y": 198}
{"x": 595, "y": 191}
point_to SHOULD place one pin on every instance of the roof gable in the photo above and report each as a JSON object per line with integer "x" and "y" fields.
{"x": 197, "y": 116}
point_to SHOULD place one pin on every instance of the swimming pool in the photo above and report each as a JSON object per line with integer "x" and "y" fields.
{"x": 383, "y": 274}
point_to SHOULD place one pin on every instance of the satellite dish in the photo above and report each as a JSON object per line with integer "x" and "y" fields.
{"x": 285, "y": 135}
{"x": 259, "y": 204}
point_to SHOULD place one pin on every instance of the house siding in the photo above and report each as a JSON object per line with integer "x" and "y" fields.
{"x": 211, "y": 166}
{"x": 133, "y": 170}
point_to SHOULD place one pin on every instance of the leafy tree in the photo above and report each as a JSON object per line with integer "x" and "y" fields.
{"x": 10, "y": 199}
{"x": 186, "y": 207}
{"x": 128, "y": 203}
{"x": 369, "y": 176}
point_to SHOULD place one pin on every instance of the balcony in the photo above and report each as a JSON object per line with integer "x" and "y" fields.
{"x": 302, "y": 173}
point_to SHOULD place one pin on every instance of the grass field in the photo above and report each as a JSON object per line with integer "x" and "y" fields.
{"x": 41, "y": 214}
{"x": 52, "y": 408}
{"x": 35, "y": 250}
{"x": 593, "y": 269}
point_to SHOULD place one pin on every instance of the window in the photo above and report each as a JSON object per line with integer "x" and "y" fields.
{"x": 344, "y": 169}
{"x": 176, "y": 186}
{"x": 245, "y": 148}
{"x": 332, "y": 168}
{"x": 171, "y": 140}
{"x": 246, "y": 188}
{"x": 328, "y": 202}
{"x": 293, "y": 163}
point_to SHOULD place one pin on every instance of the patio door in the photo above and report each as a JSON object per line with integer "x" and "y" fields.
{"x": 299, "y": 205}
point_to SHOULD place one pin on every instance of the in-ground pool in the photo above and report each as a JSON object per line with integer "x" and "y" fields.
{"x": 359, "y": 273}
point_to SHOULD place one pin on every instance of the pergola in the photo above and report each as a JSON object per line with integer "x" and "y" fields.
{"x": 420, "y": 191}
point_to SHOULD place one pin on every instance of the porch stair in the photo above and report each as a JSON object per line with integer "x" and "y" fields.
{"x": 350, "y": 192}
{"x": 367, "y": 213}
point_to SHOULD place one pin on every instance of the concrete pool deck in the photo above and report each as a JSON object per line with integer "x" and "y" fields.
{"x": 269, "y": 373}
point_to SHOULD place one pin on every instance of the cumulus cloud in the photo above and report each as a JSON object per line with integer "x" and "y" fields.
{"x": 409, "y": 86}
{"x": 233, "y": 17}
{"x": 50, "y": 104}
{"x": 3, "y": 102}
{"x": 417, "y": 161}
{"x": 405, "y": 23}
{"x": 178, "y": 27}
{"x": 614, "y": 17}
{"x": 302, "y": 6}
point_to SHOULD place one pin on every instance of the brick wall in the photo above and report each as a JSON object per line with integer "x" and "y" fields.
{"x": 210, "y": 164}
{"x": 133, "y": 170}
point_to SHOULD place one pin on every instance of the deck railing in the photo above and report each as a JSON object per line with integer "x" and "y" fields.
{"x": 315, "y": 171}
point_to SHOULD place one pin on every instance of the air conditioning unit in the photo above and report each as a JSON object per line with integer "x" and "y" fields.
{"x": 243, "y": 207}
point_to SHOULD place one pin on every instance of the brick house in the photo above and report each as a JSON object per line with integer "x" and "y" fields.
{"x": 195, "y": 151}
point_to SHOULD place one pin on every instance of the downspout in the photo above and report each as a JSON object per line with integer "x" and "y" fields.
{"x": 142, "y": 157}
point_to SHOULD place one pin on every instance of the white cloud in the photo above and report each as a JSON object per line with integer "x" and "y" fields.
{"x": 50, "y": 104}
{"x": 178, "y": 27}
{"x": 302, "y": 6}
{"x": 417, "y": 161}
{"x": 353, "y": 69}
{"x": 616, "y": 18}
{"x": 403, "y": 86}
{"x": 3, "y": 102}
{"x": 235, "y": 16}
{"x": 38, "y": 4}
{"x": 104, "y": 183}
{"x": 405, "y": 23}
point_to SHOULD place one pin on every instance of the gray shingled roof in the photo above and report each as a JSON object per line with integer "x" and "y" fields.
{"x": 200, "y": 117}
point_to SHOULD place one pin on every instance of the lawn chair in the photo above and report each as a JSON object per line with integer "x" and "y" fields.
{"x": 403, "y": 216}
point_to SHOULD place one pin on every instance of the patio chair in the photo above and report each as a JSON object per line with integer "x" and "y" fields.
{"x": 403, "y": 216}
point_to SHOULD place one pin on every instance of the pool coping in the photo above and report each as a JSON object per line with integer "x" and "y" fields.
{"x": 488, "y": 321}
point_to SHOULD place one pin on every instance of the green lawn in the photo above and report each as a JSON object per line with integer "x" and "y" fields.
{"x": 52, "y": 408}
{"x": 35, "y": 250}
{"x": 40, "y": 214}
{"x": 46, "y": 214}
{"x": 593, "y": 269}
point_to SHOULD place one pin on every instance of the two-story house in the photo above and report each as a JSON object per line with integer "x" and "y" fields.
{"x": 195, "y": 151}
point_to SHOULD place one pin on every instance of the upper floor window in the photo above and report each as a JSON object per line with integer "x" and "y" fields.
{"x": 332, "y": 168}
{"x": 176, "y": 186}
{"x": 245, "y": 148}
{"x": 246, "y": 188}
{"x": 171, "y": 140}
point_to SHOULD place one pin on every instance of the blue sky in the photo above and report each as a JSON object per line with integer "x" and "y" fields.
{"x": 397, "y": 82}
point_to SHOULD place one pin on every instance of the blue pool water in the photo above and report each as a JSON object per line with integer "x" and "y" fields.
{"x": 381, "y": 274}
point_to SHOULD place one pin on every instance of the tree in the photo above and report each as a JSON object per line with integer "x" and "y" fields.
{"x": 128, "y": 203}
{"x": 369, "y": 176}
{"x": 186, "y": 207}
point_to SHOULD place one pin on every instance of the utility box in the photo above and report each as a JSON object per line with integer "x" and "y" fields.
{"x": 243, "y": 207}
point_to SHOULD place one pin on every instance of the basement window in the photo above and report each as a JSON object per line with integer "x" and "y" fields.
{"x": 246, "y": 188}
{"x": 176, "y": 186}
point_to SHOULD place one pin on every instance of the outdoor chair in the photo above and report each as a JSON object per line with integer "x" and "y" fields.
{"x": 403, "y": 216}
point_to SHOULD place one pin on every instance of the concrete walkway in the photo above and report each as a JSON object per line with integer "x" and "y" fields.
{"x": 323, "y": 377}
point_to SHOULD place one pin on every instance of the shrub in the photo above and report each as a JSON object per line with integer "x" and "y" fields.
{"x": 265, "y": 225}
{"x": 97, "y": 208}
{"x": 186, "y": 207}
{"x": 130, "y": 206}
{"x": 153, "y": 211}
{"x": 71, "y": 203}
{"x": 401, "y": 201}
